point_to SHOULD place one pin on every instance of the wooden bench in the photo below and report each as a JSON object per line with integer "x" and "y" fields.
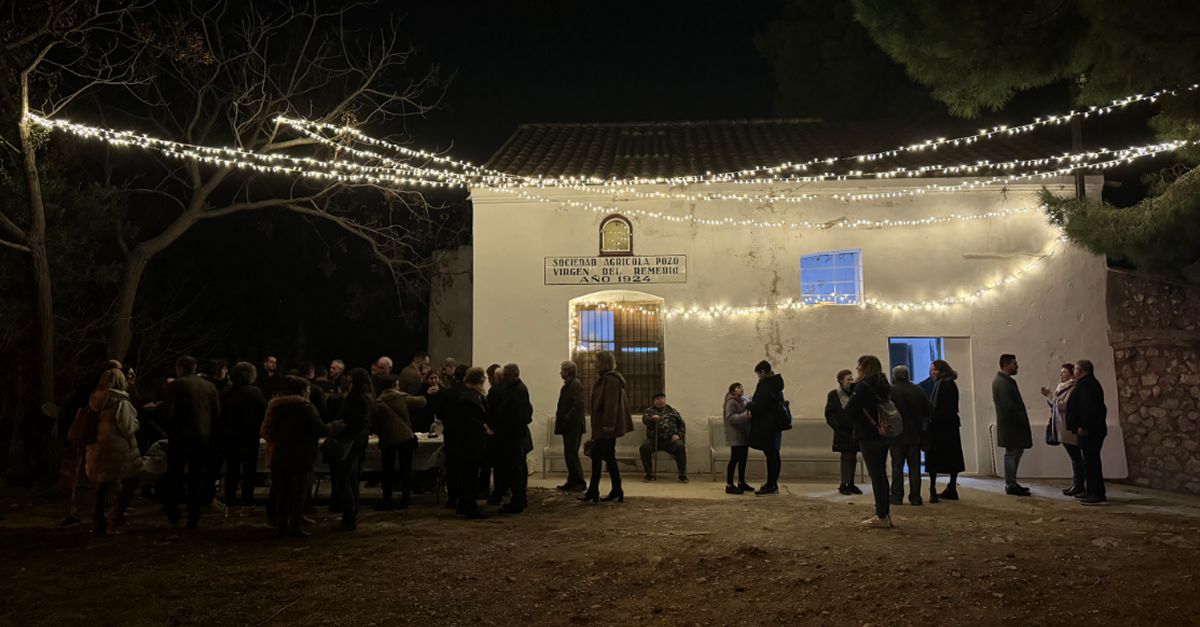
{"x": 808, "y": 441}
{"x": 628, "y": 448}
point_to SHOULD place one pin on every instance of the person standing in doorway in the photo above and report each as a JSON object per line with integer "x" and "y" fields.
{"x": 766, "y": 419}
{"x": 1057, "y": 400}
{"x": 914, "y": 408}
{"x": 737, "y": 436}
{"x": 1086, "y": 415}
{"x": 570, "y": 423}
{"x": 611, "y": 419}
{"x": 870, "y": 389}
{"x": 1012, "y": 423}
{"x": 843, "y": 431}
{"x": 945, "y": 454}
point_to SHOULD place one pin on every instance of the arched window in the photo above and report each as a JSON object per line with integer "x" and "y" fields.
{"x": 616, "y": 236}
{"x": 628, "y": 324}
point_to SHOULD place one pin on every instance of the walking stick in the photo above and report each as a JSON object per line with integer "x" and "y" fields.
{"x": 654, "y": 454}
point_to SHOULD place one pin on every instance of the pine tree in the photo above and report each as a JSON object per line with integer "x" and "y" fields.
{"x": 977, "y": 56}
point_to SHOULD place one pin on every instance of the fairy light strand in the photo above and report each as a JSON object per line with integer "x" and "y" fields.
{"x": 709, "y": 177}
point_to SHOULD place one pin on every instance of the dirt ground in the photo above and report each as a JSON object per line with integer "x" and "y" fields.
{"x": 671, "y": 554}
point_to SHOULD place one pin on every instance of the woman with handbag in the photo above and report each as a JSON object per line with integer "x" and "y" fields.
{"x": 611, "y": 419}
{"x": 1057, "y": 431}
{"x": 945, "y": 453}
{"x": 345, "y": 449}
{"x": 870, "y": 389}
{"x": 113, "y": 459}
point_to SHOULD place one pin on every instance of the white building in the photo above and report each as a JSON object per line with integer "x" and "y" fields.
{"x": 545, "y": 259}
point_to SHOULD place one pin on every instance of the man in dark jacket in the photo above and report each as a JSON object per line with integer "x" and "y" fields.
{"x": 191, "y": 406}
{"x": 569, "y": 423}
{"x": 269, "y": 377}
{"x": 242, "y": 410}
{"x": 510, "y": 424}
{"x": 766, "y": 418}
{"x": 914, "y": 408}
{"x": 665, "y": 431}
{"x": 1086, "y": 414}
{"x": 1012, "y": 423}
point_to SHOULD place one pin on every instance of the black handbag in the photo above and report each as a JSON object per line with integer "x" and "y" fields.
{"x": 589, "y": 447}
{"x": 1051, "y": 434}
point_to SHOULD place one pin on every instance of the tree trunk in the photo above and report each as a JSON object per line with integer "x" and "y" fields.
{"x": 120, "y": 336}
{"x": 40, "y": 265}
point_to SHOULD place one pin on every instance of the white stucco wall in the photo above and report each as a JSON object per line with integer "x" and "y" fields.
{"x": 1055, "y": 314}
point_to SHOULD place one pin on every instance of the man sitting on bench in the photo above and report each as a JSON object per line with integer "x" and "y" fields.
{"x": 664, "y": 432}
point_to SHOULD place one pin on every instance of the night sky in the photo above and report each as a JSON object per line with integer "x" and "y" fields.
{"x": 588, "y": 62}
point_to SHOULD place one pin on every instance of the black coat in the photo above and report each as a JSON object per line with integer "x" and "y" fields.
{"x": 864, "y": 401}
{"x": 464, "y": 417}
{"x": 513, "y": 412}
{"x": 914, "y": 408}
{"x": 268, "y": 383}
{"x": 356, "y": 416}
{"x": 843, "y": 430}
{"x": 766, "y": 412}
{"x": 569, "y": 418}
{"x": 242, "y": 410}
{"x": 191, "y": 406}
{"x": 945, "y": 453}
{"x": 1012, "y": 419}
{"x": 1086, "y": 408}
{"x": 295, "y": 428}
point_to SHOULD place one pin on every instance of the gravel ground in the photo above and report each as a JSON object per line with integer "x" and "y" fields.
{"x": 671, "y": 554}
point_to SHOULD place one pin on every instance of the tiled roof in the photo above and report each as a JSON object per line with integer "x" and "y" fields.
{"x": 648, "y": 149}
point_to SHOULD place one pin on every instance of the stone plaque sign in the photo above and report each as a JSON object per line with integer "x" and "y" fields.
{"x": 625, "y": 270}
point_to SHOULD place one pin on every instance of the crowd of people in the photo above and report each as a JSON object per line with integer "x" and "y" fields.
{"x": 210, "y": 426}
{"x": 874, "y": 417}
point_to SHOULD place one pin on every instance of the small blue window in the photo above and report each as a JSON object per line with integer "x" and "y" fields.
{"x": 597, "y": 330}
{"x": 832, "y": 278}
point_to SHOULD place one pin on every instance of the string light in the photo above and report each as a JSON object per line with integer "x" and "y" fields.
{"x": 332, "y": 170}
{"x": 844, "y": 223}
{"x": 774, "y": 170}
{"x": 727, "y": 311}
{"x": 1080, "y": 160}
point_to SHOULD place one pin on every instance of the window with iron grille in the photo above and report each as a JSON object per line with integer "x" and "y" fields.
{"x": 634, "y": 333}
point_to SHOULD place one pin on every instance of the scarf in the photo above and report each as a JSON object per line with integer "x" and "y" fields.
{"x": 843, "y": 396}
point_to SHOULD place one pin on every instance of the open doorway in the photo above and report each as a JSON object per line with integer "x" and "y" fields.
{"x": 915, "y": 352}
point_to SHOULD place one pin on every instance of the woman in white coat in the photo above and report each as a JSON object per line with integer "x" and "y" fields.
{"x": 113, "y": 461}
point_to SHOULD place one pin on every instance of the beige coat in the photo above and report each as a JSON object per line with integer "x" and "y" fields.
{"x": 114, "y": 456}
{"x": 1058, "y": 412}
{"x": 394, "y": 424}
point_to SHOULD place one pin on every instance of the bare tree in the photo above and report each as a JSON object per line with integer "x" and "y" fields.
{"x": 224, "y": 70}
{"x": 53, "y": 54}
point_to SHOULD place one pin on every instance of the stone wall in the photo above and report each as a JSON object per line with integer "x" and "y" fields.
{"x": 1155, "y": 334}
